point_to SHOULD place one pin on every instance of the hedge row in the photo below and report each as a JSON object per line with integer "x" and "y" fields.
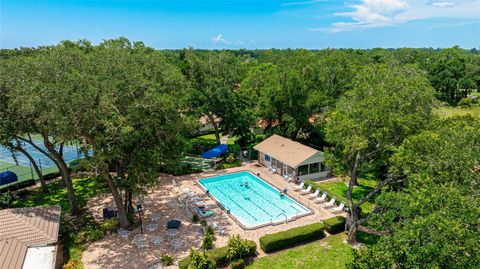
{"x": 334, "y": 225}
{"x": 288, "y": 238}
{"x": 219, "y": 255}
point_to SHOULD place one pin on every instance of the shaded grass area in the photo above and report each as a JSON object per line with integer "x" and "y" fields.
{"x": 57, "y": 195}
{"x": 330, "y": 252}
{"x": 339, "y": 190}
{"x": 230, "y": 165}
{"x": 450, "y": 111}
{"x": 210, "y": 138}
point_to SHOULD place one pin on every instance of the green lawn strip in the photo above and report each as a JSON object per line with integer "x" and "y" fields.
{"x": 330, "y": 252}
{"x": 211, "y": 138}
{"x": 339, "y": 190}
{"x": 450, "y": 111}
{"x": 57, "y": 195}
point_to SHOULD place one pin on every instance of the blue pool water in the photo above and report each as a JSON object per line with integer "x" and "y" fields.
{"x": 253, "y": 204}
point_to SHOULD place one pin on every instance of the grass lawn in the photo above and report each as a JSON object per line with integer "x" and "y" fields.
{"x": 450, "y": 111}
{"x": 211, "y": 138}
{"x": 339, "y": 190}
{"x": 330, "y": 252}
{"x": 84, "y": 189}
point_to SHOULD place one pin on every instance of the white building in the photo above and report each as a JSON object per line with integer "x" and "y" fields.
{"x": 291, "y": 158}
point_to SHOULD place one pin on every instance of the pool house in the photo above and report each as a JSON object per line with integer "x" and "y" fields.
{"x": 291, "y": 159}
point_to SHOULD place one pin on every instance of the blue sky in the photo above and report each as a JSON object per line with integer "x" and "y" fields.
{"x": 245, "y": 24}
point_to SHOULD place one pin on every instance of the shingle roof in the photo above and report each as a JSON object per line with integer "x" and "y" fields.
{"x": 21, "y": 228}
{"x": 12, "y": 253}
{"x": 285, "y": 150}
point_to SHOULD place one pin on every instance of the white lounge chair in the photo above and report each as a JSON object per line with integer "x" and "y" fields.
{"x": 307, "y": 190}
{"x": 339, "y": 208}
{"x": 330, "y": 204}
{"x": 321, "y": 199}
{"x": 299, "y": 187}
{"x": 315, "y": 194}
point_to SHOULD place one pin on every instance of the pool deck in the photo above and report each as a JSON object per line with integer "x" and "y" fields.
{"x": 114, "y": 252}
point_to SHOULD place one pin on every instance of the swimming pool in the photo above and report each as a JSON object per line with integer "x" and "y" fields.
{"x": 251, "y": 201}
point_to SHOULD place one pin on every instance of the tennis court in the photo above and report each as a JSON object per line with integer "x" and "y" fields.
{"x": 24, "y": 169}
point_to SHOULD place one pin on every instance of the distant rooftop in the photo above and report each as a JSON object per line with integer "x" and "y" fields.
{"x": 22, "y": 228}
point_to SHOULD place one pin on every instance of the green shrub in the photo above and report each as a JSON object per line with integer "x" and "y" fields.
{"x": 167, "y": 260}
{"x": 209, "y": 230}
{"x": 110, "y": 225}
{"x": 200, "y": 260}
{"x": 237, "y": 248}
{"x": 465, "y": 102}
{"x": 219, "y": 255}
{"x": 6, "y": 200}
{"x": 238, "y": 264}
{"x": 203, "y": 223}
{"x": 334, "y": 225}
{"x": 291, "y": 237}
{"x": 95, "y": 234}
{"x": 207, "y": 241}
{"x": 71, "y": 264}
{"x": 230, "y": 158}
{"x": 233, "y": 150}
{"x": 195, "y": 218}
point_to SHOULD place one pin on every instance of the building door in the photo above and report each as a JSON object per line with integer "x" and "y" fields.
{"x": 285, "y": 171}
{"x": 268, "y": 160}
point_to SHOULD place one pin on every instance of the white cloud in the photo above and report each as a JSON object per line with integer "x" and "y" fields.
{"x": 381, "y": 13}
{"x": 442, "y": 4}
{"x": 220, "y": 39}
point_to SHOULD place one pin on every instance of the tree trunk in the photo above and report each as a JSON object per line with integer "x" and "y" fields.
{"x": 61, "y": 165}
{"x": 353, "y": 173}
{"x": 352, "y": 230}
{"x": 353, "y": 216}
{"x": 65, "y": 172}
{"x": 35, "y": 166}
{"x": 215, "y": 127}
{"x": 122, "y": 215}
{"x": 85, "y": 148}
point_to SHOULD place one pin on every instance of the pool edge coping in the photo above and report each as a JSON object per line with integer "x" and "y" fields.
{"x": 237, "y": 221}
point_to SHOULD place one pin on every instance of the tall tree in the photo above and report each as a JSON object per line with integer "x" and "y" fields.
{"x": 386, "y": 105}
{"x": 41, "y": 85}
{"x": 213, "y": 77}
{"x": 449, "y": 76}
{"x": 432, "y": 222}
{"x": 137, "y": 125}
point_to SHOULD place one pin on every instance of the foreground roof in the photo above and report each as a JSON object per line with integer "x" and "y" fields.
{"x": 285, "y": 150}
{"x": 21, "y": 228}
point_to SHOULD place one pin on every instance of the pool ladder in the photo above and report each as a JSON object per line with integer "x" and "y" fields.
{"x": 286, "y": 218}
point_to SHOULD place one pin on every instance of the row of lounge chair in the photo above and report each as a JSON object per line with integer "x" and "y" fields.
{"x": 320, "y": 198}
{"x": 195, "y": 203}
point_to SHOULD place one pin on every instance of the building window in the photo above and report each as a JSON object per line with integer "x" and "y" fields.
{"x": 314, "y": 168}
{"x": 323, "y": 167}
{"x": 303, "y": 170}
{"x": 267, "y": 158}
